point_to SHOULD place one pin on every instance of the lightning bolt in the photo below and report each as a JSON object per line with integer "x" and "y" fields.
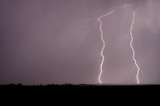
{"x": 131, "y": 45}
{"x": 102, "y": 39}
{"x": 104, "y": 43}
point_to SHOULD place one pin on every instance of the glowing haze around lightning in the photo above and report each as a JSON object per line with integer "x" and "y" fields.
{"x": 131, "y": 45}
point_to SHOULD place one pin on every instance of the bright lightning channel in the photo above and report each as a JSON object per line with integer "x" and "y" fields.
{"x": 102, "y": 38}
{"x": 100, "y": 28}
{"x": 131, "y": 45}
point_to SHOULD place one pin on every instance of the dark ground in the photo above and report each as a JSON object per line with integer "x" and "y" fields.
{"x": 82, "y": 91}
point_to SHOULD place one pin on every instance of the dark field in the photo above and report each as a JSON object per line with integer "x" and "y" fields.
{"x": 65, "y": 90}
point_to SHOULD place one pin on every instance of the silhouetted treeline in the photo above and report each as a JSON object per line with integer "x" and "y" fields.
{"x": 68, "y": 85}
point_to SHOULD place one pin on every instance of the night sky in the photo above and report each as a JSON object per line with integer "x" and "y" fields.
{"x": 58, "y": 41}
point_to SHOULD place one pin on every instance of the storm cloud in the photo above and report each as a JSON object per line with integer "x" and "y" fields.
{"x": 58, "y": 41}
